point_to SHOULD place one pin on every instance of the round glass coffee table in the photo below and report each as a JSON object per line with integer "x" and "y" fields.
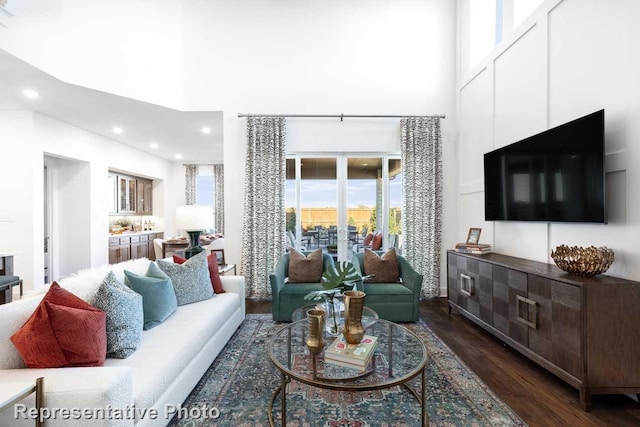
{"x": 399, "y": 356}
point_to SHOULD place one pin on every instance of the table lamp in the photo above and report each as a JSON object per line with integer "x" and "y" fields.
{"x": 194, "y": 219}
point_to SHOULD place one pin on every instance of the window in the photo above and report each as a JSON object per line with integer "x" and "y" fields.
{"x": 204, "y": 186}
{"x": 487, "y": 22}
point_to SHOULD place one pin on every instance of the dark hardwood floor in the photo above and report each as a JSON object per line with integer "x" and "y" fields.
{"x": 538, "y": 397}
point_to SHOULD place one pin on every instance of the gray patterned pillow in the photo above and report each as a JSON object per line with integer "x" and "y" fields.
{"x": 190, "y": 280}
{"x": 123, "y": 308}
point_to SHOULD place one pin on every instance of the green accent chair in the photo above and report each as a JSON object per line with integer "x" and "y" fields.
{"x": 397, "y": 302}
{"x": 286, "y": 296}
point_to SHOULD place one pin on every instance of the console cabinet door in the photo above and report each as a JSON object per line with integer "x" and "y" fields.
{"x": 509, "y": 287}
{"x": 567, "y": 334}
{"x": 470, "y": 285}
{"x": 463, "y": 282}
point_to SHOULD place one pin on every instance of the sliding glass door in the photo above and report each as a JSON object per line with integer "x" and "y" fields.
{"x": 334, "y": 201}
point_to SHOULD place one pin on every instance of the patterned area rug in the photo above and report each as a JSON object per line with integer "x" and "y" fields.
{"x": 241, "y": 380}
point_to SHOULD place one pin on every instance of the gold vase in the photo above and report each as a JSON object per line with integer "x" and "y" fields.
{"x": 353, "y": 305}
{"x": 316, "y": 320}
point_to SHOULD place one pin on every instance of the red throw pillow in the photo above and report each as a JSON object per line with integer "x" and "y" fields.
{"x": 63, "y": 331}
{"x": 368, "y": 238}
{"x": 376, "y": 243}
{"x": 214, "y": 274}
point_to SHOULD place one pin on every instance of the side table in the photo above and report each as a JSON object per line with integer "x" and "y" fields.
{"x": 13, "y": 392}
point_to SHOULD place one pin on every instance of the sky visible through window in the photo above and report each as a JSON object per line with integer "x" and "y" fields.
{"x": 321, "y": 193}
{"x": 204, "y": 190}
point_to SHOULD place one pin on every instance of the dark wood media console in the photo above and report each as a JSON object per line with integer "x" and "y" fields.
{"x": 585, "y": 330}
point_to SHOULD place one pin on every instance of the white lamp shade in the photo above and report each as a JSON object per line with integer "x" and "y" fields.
{"x": 194, "y": 217}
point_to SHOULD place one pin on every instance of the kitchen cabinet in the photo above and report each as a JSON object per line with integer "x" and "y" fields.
{"x": 144, "y": 196}
{"x": 124, "y": 248}
{"x": 119, "y": 249}
{"x": 139, "y": 246}
{"x": 126, "y": 194}
{"x": 129, "y": 195}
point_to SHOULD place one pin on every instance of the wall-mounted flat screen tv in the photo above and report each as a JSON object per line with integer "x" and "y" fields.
{"x": 554, "y": 176}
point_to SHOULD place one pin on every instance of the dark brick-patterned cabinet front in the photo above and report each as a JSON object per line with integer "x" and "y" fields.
{"x": 582, "y": 329}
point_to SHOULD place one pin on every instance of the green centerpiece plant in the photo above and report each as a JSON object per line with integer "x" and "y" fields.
{"x": 335, "y": 281}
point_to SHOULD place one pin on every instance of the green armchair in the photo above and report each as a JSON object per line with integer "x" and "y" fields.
{"x": 287, "y": 296}
{"x": 397, "y": 302}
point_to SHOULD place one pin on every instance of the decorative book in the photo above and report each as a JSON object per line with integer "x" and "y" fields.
{"x": 356, "y": 356}
{"x": 473, "y": 248}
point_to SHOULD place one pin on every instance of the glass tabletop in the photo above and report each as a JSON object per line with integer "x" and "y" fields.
{"x": 369, "y": 315}
{"x": 399, "y": 356}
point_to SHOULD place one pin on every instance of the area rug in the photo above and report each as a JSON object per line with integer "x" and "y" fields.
{"x": 236, "y": 389}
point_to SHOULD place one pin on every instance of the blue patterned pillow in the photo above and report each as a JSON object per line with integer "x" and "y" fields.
{"x": 123, "y": 308}
{"x": 190, "y": 280}
{"x": 158, "y": 297}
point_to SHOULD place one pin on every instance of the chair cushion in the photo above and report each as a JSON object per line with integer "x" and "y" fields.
{"x": 63, "y": 331}
{"x": 300, "y": 289}
{"x": 305, "y": 269}
{"x": 384, "y": 269}
{"x": 387, "y": 293}
{"x": 9, "y": 279}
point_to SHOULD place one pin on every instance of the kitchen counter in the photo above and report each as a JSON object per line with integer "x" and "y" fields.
{"x": 137, "y": 233}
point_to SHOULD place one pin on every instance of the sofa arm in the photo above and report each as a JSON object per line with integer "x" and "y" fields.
{"x": 236, "y": 285}
{"x": 75, "y": 389}
{"x": 410, "y": 277}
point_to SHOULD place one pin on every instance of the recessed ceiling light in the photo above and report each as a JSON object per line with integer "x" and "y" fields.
{"x": 178, "y": 156}
{"x": 206, "y": 130}
{"x": 117, "y": 129}
{"x": 365, "y": 164}
{"x": 30, "y": 93}
{"x": 153, "y": 145}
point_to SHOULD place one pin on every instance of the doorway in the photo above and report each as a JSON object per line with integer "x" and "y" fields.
{"x": 334, "y": 201}
{"x": 67, "y": 217}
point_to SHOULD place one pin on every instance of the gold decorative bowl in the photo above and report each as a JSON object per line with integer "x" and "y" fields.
{"x": 583, "y": 261}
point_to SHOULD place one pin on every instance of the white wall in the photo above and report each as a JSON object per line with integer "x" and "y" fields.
{"x": 29, "y": 137}
{"x": 283, "y": 56}
{"x": 131, "y": 48}
{"x": 332, "y": 57}
{"x": 71, "y": 213}
{"x": 571, "y": 58}
{"x": 19, "y": 189}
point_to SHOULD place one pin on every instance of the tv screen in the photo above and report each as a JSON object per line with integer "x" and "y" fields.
{"x": 554, "y": 176}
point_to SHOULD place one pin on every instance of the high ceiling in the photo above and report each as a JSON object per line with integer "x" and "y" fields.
{"x": 175, "y": 132}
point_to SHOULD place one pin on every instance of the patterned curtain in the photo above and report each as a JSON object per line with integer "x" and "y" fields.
{"x": 190, "y": 179}
{"x": 421, "y": 148}
{"x": 264, "y": 215}
{"x": 218, "y": 190}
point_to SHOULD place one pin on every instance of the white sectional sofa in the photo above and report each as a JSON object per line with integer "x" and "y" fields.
{"x": 157, "y": 377}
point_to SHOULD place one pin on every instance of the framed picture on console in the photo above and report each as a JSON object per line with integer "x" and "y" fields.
{"x": 474, "y": 236}
{"x": 219, "y": 254}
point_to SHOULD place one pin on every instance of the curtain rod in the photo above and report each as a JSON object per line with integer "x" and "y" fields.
{"x": 342, "y": 116}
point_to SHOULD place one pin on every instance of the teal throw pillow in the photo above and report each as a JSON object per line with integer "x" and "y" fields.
{"x": 125, "y": 318}
{"x": 190, "y": 280}
{"x": 158, "y": 297}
